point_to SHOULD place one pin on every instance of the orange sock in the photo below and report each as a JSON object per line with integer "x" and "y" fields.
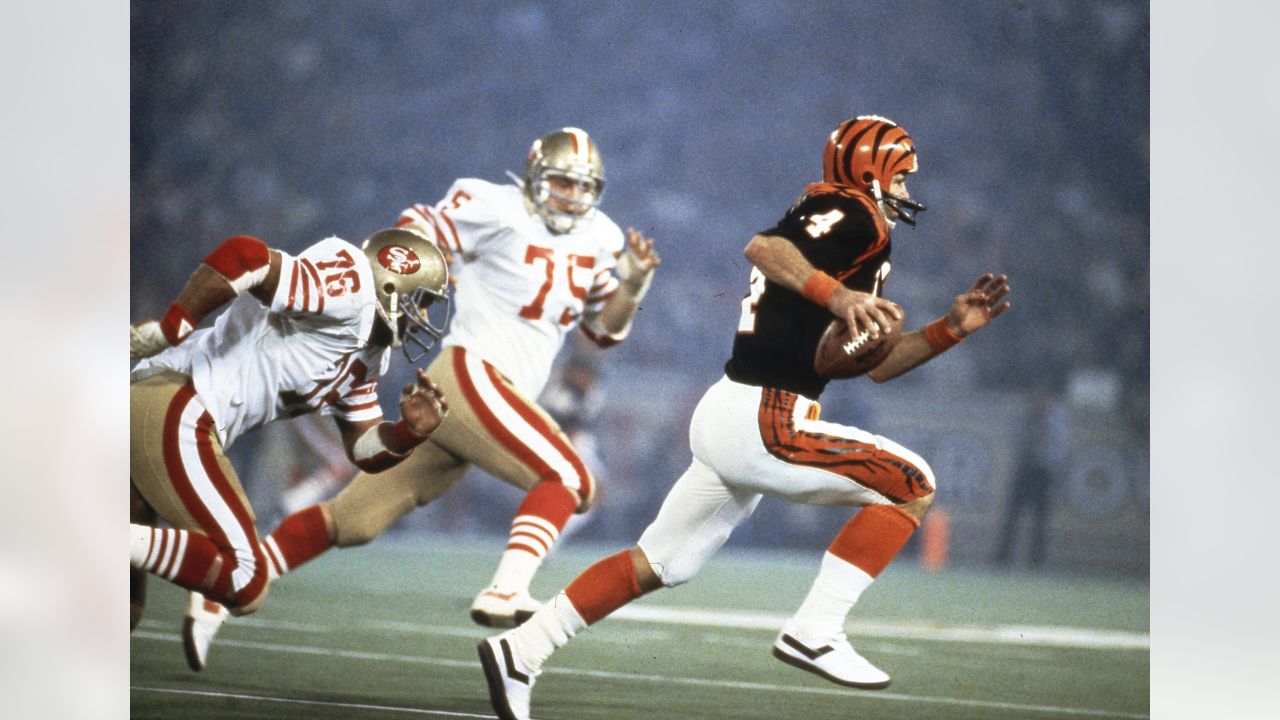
{"x": 604, "y": 587}
{"x": 872, "y": 538}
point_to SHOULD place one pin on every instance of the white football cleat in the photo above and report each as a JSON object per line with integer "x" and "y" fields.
{"x": 833, "y": 658}
{"x": 203, "y": 619}
{"x": 510, "y": 683}
{"x": 494, "y": 608}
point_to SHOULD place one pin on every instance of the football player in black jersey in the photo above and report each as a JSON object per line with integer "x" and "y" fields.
{"x": 757, "y": 431}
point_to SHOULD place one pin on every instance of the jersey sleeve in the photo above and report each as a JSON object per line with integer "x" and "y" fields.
{"x": 359, "y": 402}
{"x": 461, "y": 221}
{"x": 425, "y": 219}
{"x": 834, "y": 232}
{"x": 326, "y": 284}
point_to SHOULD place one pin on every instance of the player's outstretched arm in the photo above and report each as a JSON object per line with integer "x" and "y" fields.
{"x": 239, "y": 264}
{"x": 636, "y": 267}
{"x": 969, "y": 313}
{"x": 376, "y": 445}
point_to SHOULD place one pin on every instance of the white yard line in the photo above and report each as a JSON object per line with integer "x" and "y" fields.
{"x": 1027, "y": 635}
{"x": 297, "y": 701}
{"x": 657, "y": 679}
{"x": 1088, "y": 638}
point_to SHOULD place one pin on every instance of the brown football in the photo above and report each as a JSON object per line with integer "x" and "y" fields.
{"x": 840, "y": 355}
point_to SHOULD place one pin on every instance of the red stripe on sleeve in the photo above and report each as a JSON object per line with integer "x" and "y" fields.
{"x": 315, "y": 276}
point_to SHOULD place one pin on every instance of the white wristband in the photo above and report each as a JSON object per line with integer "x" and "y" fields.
{"x": 369, "y": 445}
{"x": 629, "y": 272}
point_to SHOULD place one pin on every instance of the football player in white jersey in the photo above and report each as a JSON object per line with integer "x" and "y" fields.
{"x": 302, "y": 334}
{"x": 532, "y": 262}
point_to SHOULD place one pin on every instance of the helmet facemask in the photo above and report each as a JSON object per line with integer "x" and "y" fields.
{"x": 906, "y": 208}
{"x": 568, "y": 156}
{"x": 408, "y": 317}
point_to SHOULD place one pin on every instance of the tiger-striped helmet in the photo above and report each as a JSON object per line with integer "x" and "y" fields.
{"x": 570, "y": 154}
{"x": 866, "y": 152}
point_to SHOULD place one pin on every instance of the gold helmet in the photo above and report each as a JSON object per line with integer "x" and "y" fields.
{"x": 409, "y": 276}
{"x": 568, "y": 154}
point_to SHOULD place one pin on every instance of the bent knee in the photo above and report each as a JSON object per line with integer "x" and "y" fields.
{"x": 919, "y": 507}
{"x": 586, "y": 500}
{"x": 647, "y": 579}
{"x": 248, "y": 597}
{"x": 241, "y": 605}
{"x": 670, "y": 573}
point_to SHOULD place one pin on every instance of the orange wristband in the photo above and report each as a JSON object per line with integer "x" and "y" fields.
{"x": 940, "y": 336}
{"x": 819, "y": 288}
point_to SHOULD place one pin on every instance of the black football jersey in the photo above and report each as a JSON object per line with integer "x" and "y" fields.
{"x": 840, "y": 232}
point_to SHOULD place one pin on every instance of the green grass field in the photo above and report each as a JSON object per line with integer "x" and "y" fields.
{"x": 382, "y": 632}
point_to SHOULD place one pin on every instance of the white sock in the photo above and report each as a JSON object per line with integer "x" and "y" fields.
{"x": 549, "y": 628}
{"x": 515, "y": 571}
{"x": 139, "y": 544}
{"x": 834, "y": 591}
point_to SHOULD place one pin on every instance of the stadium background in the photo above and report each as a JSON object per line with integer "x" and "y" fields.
{"x": 296, "y": 120}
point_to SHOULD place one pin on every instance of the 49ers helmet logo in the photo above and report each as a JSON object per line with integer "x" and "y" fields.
{"x": 399, "y": 259}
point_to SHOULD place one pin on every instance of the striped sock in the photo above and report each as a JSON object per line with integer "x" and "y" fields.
{"x": 534, "y": 531}
{"x": 187, "y": 559}
{"x": 299, "y": 538}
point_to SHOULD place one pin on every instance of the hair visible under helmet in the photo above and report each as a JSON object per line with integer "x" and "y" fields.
{"x": 865, "y": 153}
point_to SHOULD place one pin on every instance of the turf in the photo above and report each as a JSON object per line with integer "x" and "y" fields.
{"x": 382, "y": 632}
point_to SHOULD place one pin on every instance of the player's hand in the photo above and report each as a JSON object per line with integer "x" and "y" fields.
{"x": 422, "y": 405}
{"x": 863, "y": 311}
{"x": 979, "y": 305}
{"x": 146, "y": 339}
{"x": 638, "y": 261}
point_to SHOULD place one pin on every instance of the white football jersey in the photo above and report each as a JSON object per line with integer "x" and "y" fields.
{"x": 520, "y": 288}
{"x": 308, "y": 352}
